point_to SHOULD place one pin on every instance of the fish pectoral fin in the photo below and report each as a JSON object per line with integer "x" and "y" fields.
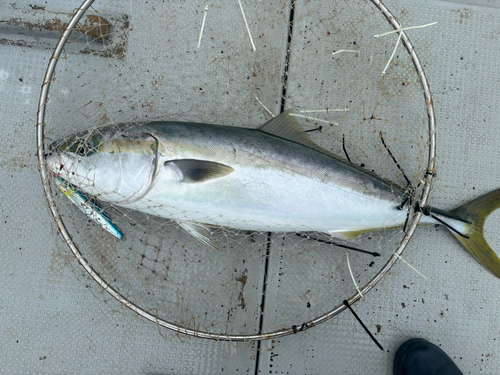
{"x": 195, "y": 229}
{"x": 348, "y": 236}
{"x": 194, "y": 171}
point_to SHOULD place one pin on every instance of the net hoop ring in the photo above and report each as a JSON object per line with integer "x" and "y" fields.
{"x": 42, "y": 167}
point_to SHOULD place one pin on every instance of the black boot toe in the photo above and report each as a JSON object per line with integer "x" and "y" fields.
{"x": 420, "y": 357}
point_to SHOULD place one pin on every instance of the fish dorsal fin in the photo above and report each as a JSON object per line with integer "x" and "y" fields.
{"x": 287, "y": 127}
{"x": 194, "y": 171}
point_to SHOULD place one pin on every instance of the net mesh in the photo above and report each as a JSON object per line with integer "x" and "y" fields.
{"x": 137, "y": 69}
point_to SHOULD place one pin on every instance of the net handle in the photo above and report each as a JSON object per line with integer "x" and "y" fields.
{"x": 42, "y": 167}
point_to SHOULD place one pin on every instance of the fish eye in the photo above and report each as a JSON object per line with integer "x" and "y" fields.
{"x": 80, "y": 150}
{"x": 84, "y": 149}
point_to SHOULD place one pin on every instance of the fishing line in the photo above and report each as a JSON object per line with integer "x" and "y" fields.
{"x": 319, "y": 128}
{"x": 410, "y": 191}
{"x": 425, "y": 211}
{"x": 408, "y": 182}
{"x": 455, "y": 218}
{"x": 406, "y": 220}
{"x": 375, "y": 254}
{"x": 345, "y": 151}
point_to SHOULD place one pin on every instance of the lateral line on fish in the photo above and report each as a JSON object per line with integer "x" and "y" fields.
{"x": 413, "y": 268}
{"x": 203, "y": 24}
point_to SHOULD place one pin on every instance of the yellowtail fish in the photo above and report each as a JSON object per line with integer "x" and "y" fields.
{"x": 273, "y": 178}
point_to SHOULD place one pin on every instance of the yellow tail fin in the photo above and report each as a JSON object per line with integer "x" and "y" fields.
{"x": 476, "y": 212}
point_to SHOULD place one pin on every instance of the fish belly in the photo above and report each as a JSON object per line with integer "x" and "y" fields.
{"x": 268, "y": 200}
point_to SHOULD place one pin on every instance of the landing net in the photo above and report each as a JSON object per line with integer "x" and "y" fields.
{"x": 239, "y": 66}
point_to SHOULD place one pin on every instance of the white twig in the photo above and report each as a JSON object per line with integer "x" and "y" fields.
{"x": 352, "y": 276}
{"x": 246, "y": 24}
{"x": 413, "y": 268}
{"x": 404, "y": 29}
{"x": 344, "y": 50}
{"x": 313, "y": 118}
{"x": 324, "y": 110}
{"x": 393, "y": 53}
{"x": 203, "y": 25}
{"x": 263, "y": 106}
{"x": 399, "y": 39}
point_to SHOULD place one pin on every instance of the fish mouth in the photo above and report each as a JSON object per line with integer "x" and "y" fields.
{"x": 62, "y": 164}
{"x": 54, "y": 164}
{"x": 90, "y": 169}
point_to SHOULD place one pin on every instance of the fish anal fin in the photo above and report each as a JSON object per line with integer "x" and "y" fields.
{"x": 348, "y": 235}
{"x": 195, "y": 171}
{"x": 195, "y": 230}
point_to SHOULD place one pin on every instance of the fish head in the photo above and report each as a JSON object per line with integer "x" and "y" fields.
{"x": 114, "y": 164}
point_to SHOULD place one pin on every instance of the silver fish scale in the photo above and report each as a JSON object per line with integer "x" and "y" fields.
{"x": 276, "y": 184}
{"x": 242, "y": 146}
